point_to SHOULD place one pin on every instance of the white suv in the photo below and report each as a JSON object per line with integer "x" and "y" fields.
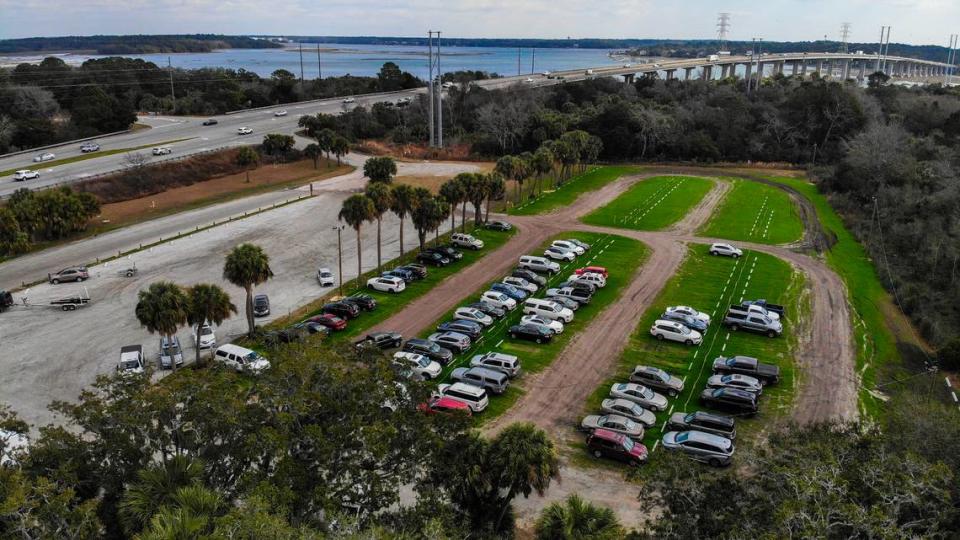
{"x": 569, "y": 246}
{"x": 466, "y": 240}
{"x": 596, "y": 280}
{"x": 473, "y": 396}
{"x": 244, "y": 131}
{"x": 386, "y": 284}
{"x": 521, "y": 283}
{"x": 25, "y": 175}
{"x": 726, "y": 250}
{"x": 675, "y": 331}
{"x": 418, "y": 363}
{"x": 499, "y": 300}
{"x": 162, "y": 150}
{"x": 559, "y": 254}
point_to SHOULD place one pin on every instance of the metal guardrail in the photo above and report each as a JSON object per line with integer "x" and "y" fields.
{"x": 64, "y": 143}
{"x": 331, "y": 99}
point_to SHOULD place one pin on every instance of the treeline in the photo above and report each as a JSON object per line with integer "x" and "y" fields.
{"x": 51, "y": 101}
{"x": 702, "y": 48}
{"x": 135, "y": 44}
{"x": 28, "y": 217}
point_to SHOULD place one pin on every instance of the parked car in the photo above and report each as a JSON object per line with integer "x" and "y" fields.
{"x": 421, "y": 365}
{"x": 753, "y": 322}
{"x": 706, "y": 447}
{"x": 330, "y": 320}
{"x": 513, "y": 292}
{"x": 86, "y": 148}
{"x": 488, "y": 309}
{"x": 244, "y": 131}
{"x": 675, "y": 331}
{"x": 604, "y": 443}
{"x": 280, "y": 113}
{"x": 345, "y": 310}
{"x": 755, "y": 309}
{"x": 547, "y": 309}
{"x": 381, "y": 340}
{"x": 707, "y": 422}
{"x": 363, "y": 301}
{"x": 312, "y": 328}
{"x": 692, "y": 323}
{"x": 131, "y": 360}
{"x": 581, "y": 243}
{"x": 735, "y": 380}
{"x": 468, "y": 328}
{"x": 261, "y": 305}
{"x": 639, "y": 394}
{"x": 505, "y": 363}
{"x": 241, "y": 358}
{"x": 558, "y": 254}
{"x": 25, "y": 174}
{"x": 726, "y": 250}
{"x": 473, "y": 396}
{"x": 325, "y": 277}
{"x": 448, "y": 252}
{"x": 584, "y": 287}
{"x": 405, "y": 275}
{"x": 454, "y": 341}
{"x": 495, "y": 382}
{"x": 210, "y": 122}
{"x": 530, "y": 276}
{"x": 747, "y": 365}
{"x": 568, "y": 303}
{"x": 73, "y": 273}
{"x": 429, "y": 349}
{"x": 46, "y": 156}
{"x": 389, "y": 284}
{"x": 208, "y": 338}
{"x": 445, "y": 405}
{"x": 690, "y": 312}
{"x": 432, "y": 257}
{"x": 597, "y": 280}
{"x": 161, "y": 150}
{"x": 419, "y": 271}
{"x": 613, "y": 422}
{"x": 531, "y": 332}
{"x": 473, "y": 315}
{"x": 499, "y": 299}
{"x": 657, "y": 379}
{"x": 592, "y": 270}
{"x": 730, "y": 399}
{"x": 499, "y": 225}
{"x": 774, "y": 309}
{"x": 630, "y": 409}
{"x": 538, "y": 264}
{"x": 466, "y": 241}
{"x": 554, "y": 326}
{"x": 521, "y": 284}
{"x": 565, "y": 245}
{"x": 573, "y": 293}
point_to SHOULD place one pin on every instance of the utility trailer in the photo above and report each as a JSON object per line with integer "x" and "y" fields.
{"x": 72, "y": 302}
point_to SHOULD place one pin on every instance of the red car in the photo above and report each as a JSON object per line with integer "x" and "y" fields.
{"x": 592, "y": 270}
{"x": 445, "y": 405}
{"x": 330, "y": 320}
{"x": 605, "y": 443}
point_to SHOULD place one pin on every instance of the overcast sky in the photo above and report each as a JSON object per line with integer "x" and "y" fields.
{"x": 913, "y": 21}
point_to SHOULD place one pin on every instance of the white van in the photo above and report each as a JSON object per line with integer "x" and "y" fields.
{"x": 241, "y": 359}
{"x": 538, "y": 264}
{"x": 547, "y": 309}
{"x": 473, "y": 396}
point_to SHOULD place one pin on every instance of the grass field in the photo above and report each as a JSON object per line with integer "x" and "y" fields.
{"x": 711, "y": 284}
{"x": 615, "y": 252}
{"x": 755, "y": 212}
{"x": 91, "y": 155}
{"x": 591, "y": 180}
{"x": 652, "y": 204}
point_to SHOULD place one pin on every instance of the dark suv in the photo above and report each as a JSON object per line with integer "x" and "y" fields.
{"x": 342, "y": 309}
{"x": 730, "y": 399}
{"x": 717, "y": 424}
{"x": 261, "y": 305}
{"x": 429, "y": 349}
{"x": 449, "y": 252}
{"x": 432, "y": 257}
{"x": 362, "y": 301}
{"x": 381, "y": 340}
{"x": 532, "y": 277}
{"x": 419, "y": 271}
{"x": 74, "y": 273}
{"x": 467, "y": 328}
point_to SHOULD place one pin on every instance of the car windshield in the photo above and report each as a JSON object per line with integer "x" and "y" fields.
{"x": 683, "y": 330}
{"x": 423, "y": 362}
{"x": 644, "y": 392}
{"x": 682, "y": 437}
{"x": 206, "y": 331}
{"x": 130, "y": 364}
{"x": 628, "y": 444}
{"x": 250, "y": 358}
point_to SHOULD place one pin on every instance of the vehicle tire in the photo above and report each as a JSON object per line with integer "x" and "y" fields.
{"x": 672, "y": 393}
{"x": 735, "y": 256}
{"x": 392, "y": 290}
{"x": 734, "y": 327}
{"x": 714, "y": 462}
{"x": 65, "y": 308}
{"x": 714, "y": 253}
{"x": 512, "y": 335}
{"x": 659, "y": 336}
{"x": 771, "y": 334}
{"x": 597, "y": 454}
{"x": 55, "y": 281}
{"x": 635, "y": 463}
{"x": 539, "y": 340}
{"x": 369, "y": 286}
{"x": 81, "y": 279}
{"x": 688, "y": 342}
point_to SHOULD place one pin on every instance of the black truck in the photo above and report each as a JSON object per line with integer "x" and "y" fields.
{"x": 6, "y": 300}
{"x": 773, "y": 308}
{"x": 746, "y": 365}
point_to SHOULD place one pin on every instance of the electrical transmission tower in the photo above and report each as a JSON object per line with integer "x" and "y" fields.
{"x": 723, "y": 29}
{"x": 844, "y": 37}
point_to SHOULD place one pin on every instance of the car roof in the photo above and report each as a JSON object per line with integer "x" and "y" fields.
{"x": 608, "y": 435}
{"x": 704, "y": 415}
{"x": 709, "y": 438}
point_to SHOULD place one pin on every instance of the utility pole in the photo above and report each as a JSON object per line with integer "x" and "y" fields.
{"x": 301, "y": 64}
{"x": 439, "y": 96}
{"x": 533, "y": 61}
{"x": 518, "y": 61}
{"x": 951, "y": 58}
{"x": 173, "y": 95}
{"x": 844, "y": 37}
{"x": 886, "y": 51}
{"x": 319, "y": 70}
{"x": 433, "y": 137}
{"x": 339, "y": 229}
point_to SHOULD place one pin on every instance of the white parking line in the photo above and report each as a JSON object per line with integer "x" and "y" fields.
{"x": 655, "y": 444}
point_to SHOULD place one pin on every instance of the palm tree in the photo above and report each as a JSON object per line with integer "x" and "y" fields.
{"x": 504, "y": 167}
{"x": 440, "y": 212}
{"x": 191, "y": 514}
{"x": 424, "y": 213}
{"x": 466, "y": 180}
{"x": 452, "y": 191}
{"x": 521, "y": 171}
{"x": 155, "y": 487}
{"x": 247, "y": 158}
{"x": 495, "y": 188}
{"x": 526, "y": 460}
{"x": 325, "y": 138}
{"x": 247, "y": 265}
{"x": 207, "y": 304}
{"x": 313, "y": 152}
{"x": 340, "y": 148}
{"x": 402, "y": 201}
{"x": 357, "y": 209}
{"x": 379, "y": 194}
{"x": 162, "y": 309}
{"x": 542, "y": 163}
{"x": 477, "y": 186}
{"x": 576, "y": 519}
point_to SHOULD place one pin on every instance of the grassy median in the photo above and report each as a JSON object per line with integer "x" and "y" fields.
{"x": 570, "y": 190}
{"x": 755, "y": 212}
{"x": 92, "y": 155}
{"x": 653, "y": 204}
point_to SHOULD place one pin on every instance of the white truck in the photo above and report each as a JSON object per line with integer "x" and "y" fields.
{"x": 713, "y": 58}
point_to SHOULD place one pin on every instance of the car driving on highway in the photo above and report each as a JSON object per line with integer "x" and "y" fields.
{"x": 89, "y": 147}
{"x": 244, "y": 131}
{"x": 162, "y": 150}
{"x": 25, "y": 174}
{"x": 46, "y": 156}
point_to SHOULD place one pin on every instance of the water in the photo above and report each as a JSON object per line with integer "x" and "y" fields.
{"x": 366, "y": 60}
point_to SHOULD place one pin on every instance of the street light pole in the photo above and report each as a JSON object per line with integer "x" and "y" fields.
{"x": 339, "y": 229}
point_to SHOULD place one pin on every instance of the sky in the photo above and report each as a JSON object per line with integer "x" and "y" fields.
{"x": 913, "y": 21}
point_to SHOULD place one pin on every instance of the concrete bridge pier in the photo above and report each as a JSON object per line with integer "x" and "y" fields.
{"x": 778, "y": 68}
{"x": 629, "y": 78}
{"x": 687, "y": 72}
{"x": 795, "y": 67}
{"x": 803, "y": 68}
{"x": 707, "y": 73}
{"x": 846, "y": 69}
{"x": 748, "y": 71}
{"x": 863, "y": 71}
{"x": 671, "y": 74}
{"x": 820, "y": 68}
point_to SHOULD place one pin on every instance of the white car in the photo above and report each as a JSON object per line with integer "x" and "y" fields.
{"x": 25, "y": 175}
{"x": 325, "y": 277}
{"x": 386, "y": 284}
{"x": 466, "y": 240}
{"x": 208, "y": 338}
{"x": 349, "y": 100}
{"x": 726, "y": 250}
{"x": 558, "y": 254}
{"x": 689, "y": 311}
{"x": 46, "y": 156}
{"x": 675, "y": 331}
{"x": 568, "y": 246}
{"x": 418, "y": 363}
{"x": 473, "y": 314}
{"x": 521, "y": 283}
{"x": 528, "y": 80}
{"x": 162, "y": 150}
{"x": 639, "y": 393}
{"x": 244, "y": 131}
{"x": 280, "y": 113}
{"x": 552, "y": 324}
{"x": 499, "y": 300}
{"x": 736, "y": 380}
{"x": 597, "y": 280}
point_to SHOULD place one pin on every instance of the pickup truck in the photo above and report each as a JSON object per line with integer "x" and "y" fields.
{"x": 6, "y": 300}
{"x": 754, "y": 322}
{"x": 773, "y": 308}
{"x": 746, "y": 365}
{"x": 754, "y": 309}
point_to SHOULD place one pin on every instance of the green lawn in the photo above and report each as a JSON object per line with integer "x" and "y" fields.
{"x": 652, "y": 204}
{"x": 591, "y": 180}
{"x": 755, "y": 212}
{"x": 711, "y": 284}
{"x": 91, "y": 155}
{"x": 615, "y": 252}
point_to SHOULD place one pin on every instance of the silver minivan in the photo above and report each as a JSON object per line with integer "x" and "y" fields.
{"x": 705, "y": 447}
{"x": 493, "y": 381}
{"x": 538, "y": 264}
{"x": 506, "y": 363}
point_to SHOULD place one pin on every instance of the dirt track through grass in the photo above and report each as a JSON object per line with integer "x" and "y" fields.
{"x": 756, "y": 212}
{"x": 653, "y": 204}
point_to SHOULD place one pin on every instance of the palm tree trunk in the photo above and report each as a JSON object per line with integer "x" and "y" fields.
{"x": 503, "y": 511}
{"x": 249, "y": 309}
{"x": 197, "y": 342}
{"x": 401, "y": 237}
{"x": 486, "y": 217}
{"x": 453, "y": 220}
{"x": 359, "y": 256}
{"x": 463, "y": 217}
{"x": 378, "y": 245}
{"x": 173, "y": 359}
